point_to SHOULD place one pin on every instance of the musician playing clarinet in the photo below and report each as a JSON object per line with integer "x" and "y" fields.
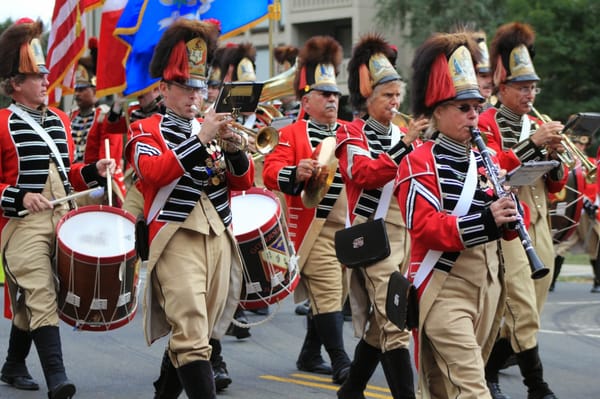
{"x": 186, "y": 174}
{"x": 516, "y": 137}
{"x": 36, "y": 152}
{"x": 455, "y": 223}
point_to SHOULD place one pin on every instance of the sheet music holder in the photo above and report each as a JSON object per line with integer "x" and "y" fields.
{"x": 529, "y": 172}
{"x": 238, "y": 97}
{"x": 584, "y": 124}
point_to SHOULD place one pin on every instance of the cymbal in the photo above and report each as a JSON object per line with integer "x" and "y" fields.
{"x": 318, "y": 185}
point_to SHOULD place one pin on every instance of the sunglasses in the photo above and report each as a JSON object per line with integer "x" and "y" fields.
{"x": 203, "y": 91}
{"x": 465, "y": 108}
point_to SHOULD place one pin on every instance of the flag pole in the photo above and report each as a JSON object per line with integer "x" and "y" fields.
{"x": 274, "y": 16}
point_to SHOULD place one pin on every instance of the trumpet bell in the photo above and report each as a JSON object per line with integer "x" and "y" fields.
{"x": 267, "y": 139}
{"x": 317, "y": 186}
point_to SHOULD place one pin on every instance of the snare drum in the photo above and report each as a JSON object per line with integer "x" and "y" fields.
{"x": 269, "y": 260}
{"x": 97, "y": 268}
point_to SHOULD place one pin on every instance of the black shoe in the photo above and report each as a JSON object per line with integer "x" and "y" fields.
{"x": 595, "y": 289}
{"x": 222, "y": 378}
{"x": 64, "y": 390}
{"x": 237, "y": 331}
{"x": 546, "y": 396}
{"x": 25, "y": 383}
{"x": 303, "y": 308}
{"x": 495, "y": 391}
{"x": 317, "y": 367}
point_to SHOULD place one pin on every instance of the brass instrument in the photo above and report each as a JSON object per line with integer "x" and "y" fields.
{"x": 266, "y": 138}
{"x": 571, "y": 154}
{"x": 318, "y": 185}
{"x": 401, "y": 119}
{"x": 278, "y": 86}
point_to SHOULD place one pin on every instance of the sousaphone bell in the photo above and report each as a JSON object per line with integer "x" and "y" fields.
{"x": 318, "y": 185}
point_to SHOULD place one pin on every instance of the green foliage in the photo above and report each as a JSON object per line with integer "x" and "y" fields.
{"x": 567, "y": 40}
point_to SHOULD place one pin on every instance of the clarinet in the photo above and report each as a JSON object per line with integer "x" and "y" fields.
{"x": 538, "y": 270}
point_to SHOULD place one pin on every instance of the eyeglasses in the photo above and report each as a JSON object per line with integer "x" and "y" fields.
{"x": 464, "y": 108}
{"x": 203, "y": 91}
{"x": 526, "y": 89}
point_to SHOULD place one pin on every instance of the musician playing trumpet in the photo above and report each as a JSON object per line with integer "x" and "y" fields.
{"x": 516, "y": 137}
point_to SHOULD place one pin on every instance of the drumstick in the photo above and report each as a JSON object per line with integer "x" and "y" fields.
{"x": 58, "y": 201}
{"x": 108, "y": 177}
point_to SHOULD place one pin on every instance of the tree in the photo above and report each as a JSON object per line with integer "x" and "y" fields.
{"x": 567, "y": 40}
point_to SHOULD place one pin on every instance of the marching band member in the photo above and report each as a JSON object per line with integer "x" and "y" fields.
{"x": 288, "y": 169}
{"x": 37, "y": 166}
{"x": 484, "y": 70}
{"x": 185, "y": 177}
{"x": 516, "y": 137}
{"x": 587, "y": 230}
{"x": 369, "y": 153}
{"x": 450, "y": 211}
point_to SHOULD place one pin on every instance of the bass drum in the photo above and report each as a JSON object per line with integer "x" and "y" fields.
{"x": 566, "y": 207}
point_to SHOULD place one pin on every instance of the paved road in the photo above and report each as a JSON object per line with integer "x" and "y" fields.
{"x": 118, "y": 364}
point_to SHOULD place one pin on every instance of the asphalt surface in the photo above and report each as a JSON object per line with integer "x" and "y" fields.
{"x": 117, "y": 364}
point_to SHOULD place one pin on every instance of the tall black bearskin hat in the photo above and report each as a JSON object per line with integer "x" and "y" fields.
{"x": 444, "y": 69}
{"x": 21, "y": 50}
{"x": 184, "y": 52}
{"x": 512, "y": 53}
{"x": 318, "y": 62}
{"x": 85, "y": 75}
{"x": 285, "y": 56}
{"x": 238, "y": 63}
{"x": 372, "y": 63}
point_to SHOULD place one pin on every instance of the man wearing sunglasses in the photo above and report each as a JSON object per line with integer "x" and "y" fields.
{"x": 291, "y": 168}
{"x": 516, "y": 137}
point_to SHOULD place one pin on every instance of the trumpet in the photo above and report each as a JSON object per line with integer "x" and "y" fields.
{"x": 401, "y": 119}
{"x": 266, "y": 138}
{"x": 571, "y": 154}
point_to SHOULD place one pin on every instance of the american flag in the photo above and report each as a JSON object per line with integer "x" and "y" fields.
{"x": 66, "y": 44}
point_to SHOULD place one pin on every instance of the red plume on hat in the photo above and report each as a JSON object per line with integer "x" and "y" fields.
{"x": 432, "y": 81}
{"x": 508, "y": 37}
{"x": 16, "y": 53}
{"x": 317, "y": 51}
{"x": 239, "y": 63}
{"x": 175, "y": 60}
{"x": 360, "y": 78}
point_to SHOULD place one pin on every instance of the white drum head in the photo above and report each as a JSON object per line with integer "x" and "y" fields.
{"x": 251, "y": 211}
{"x": 98, "y": 234}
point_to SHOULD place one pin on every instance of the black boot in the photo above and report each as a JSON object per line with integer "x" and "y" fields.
{"x": 14, "y": 371}
{"x": 501, "y": 351}
{"x": 366, "y": 358}
{"x": 330, "y": 327}
{"x": 47, "y": 343}
{"x": 310, "y": 358}
{"x": 237, "y": 331}
{"x": 558, "y": 262}
{"x": 596, "y": 269}
{"x": 533, "y": 375}
{"x": 222, "y": 378}
{"x": 197, "y": 380}
{"x": 167, "y": 386}
{"x": 398, "y": 373}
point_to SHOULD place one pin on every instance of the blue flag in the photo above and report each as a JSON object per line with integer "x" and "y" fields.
{"x": 143, "y": 22}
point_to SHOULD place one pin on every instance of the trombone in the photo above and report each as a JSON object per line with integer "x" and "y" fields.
{"x": 571, "y": 154}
